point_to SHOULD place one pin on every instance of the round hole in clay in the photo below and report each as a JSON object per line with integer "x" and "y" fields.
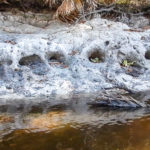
{"x": 96, "y": 56}
{"x": 30, "y": 60}
{"x": 56, "y": 57}
{"x": 107, "y": 43}
{"x": 131, "y": 61}
{"x": 132, "y": 66}
{"x": 147, "y": 54}
{"x": 35, "y": 63}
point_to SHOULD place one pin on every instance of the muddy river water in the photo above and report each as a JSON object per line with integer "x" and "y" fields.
{"x": 73, "y": 128}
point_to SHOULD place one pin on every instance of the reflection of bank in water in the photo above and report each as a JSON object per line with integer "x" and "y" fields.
{"x": 50, "y": 120}
{"x": 93, "y": 117}
{"x": 6, "y": 119}
{"x": 96, "y": 130}
{"x": 45, "y": 114}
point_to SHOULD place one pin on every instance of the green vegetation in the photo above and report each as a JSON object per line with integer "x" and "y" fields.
{"x": 95, "y": 60}
{"x": 126, "y": 63}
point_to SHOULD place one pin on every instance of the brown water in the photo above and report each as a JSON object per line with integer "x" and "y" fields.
{"x": 75, "y": 129}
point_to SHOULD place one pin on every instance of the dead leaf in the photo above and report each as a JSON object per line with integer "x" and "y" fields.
{"x": 11, "y": 42}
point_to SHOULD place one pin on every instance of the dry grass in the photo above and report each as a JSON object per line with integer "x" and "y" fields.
{"x": 69, "y": 9}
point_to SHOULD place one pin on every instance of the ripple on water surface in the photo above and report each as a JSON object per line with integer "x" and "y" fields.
{"x": 75, "y": 129}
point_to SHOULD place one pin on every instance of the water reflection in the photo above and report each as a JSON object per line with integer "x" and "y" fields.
{"x": 74, "y": 128}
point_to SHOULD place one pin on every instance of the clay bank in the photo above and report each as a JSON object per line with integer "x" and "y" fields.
{"x": 101, "y": 61}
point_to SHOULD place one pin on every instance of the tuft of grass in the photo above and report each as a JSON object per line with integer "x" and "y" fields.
{"x": 126, "y": 63}
{"x": 95, "y": 60}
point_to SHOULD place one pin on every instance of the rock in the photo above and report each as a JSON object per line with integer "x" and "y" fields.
{"x": 56, "y": 60}
{"x": 117, "y": 98}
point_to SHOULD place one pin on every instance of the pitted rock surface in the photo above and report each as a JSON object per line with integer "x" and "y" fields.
{"x": 56, "y": 60}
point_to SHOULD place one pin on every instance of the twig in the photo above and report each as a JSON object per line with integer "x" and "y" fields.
{"x": 94, "y": 12}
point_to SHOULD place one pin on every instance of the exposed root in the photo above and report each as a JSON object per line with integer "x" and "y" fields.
{"x": 69, "y": 10}
{"x": 53, "y": 3}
